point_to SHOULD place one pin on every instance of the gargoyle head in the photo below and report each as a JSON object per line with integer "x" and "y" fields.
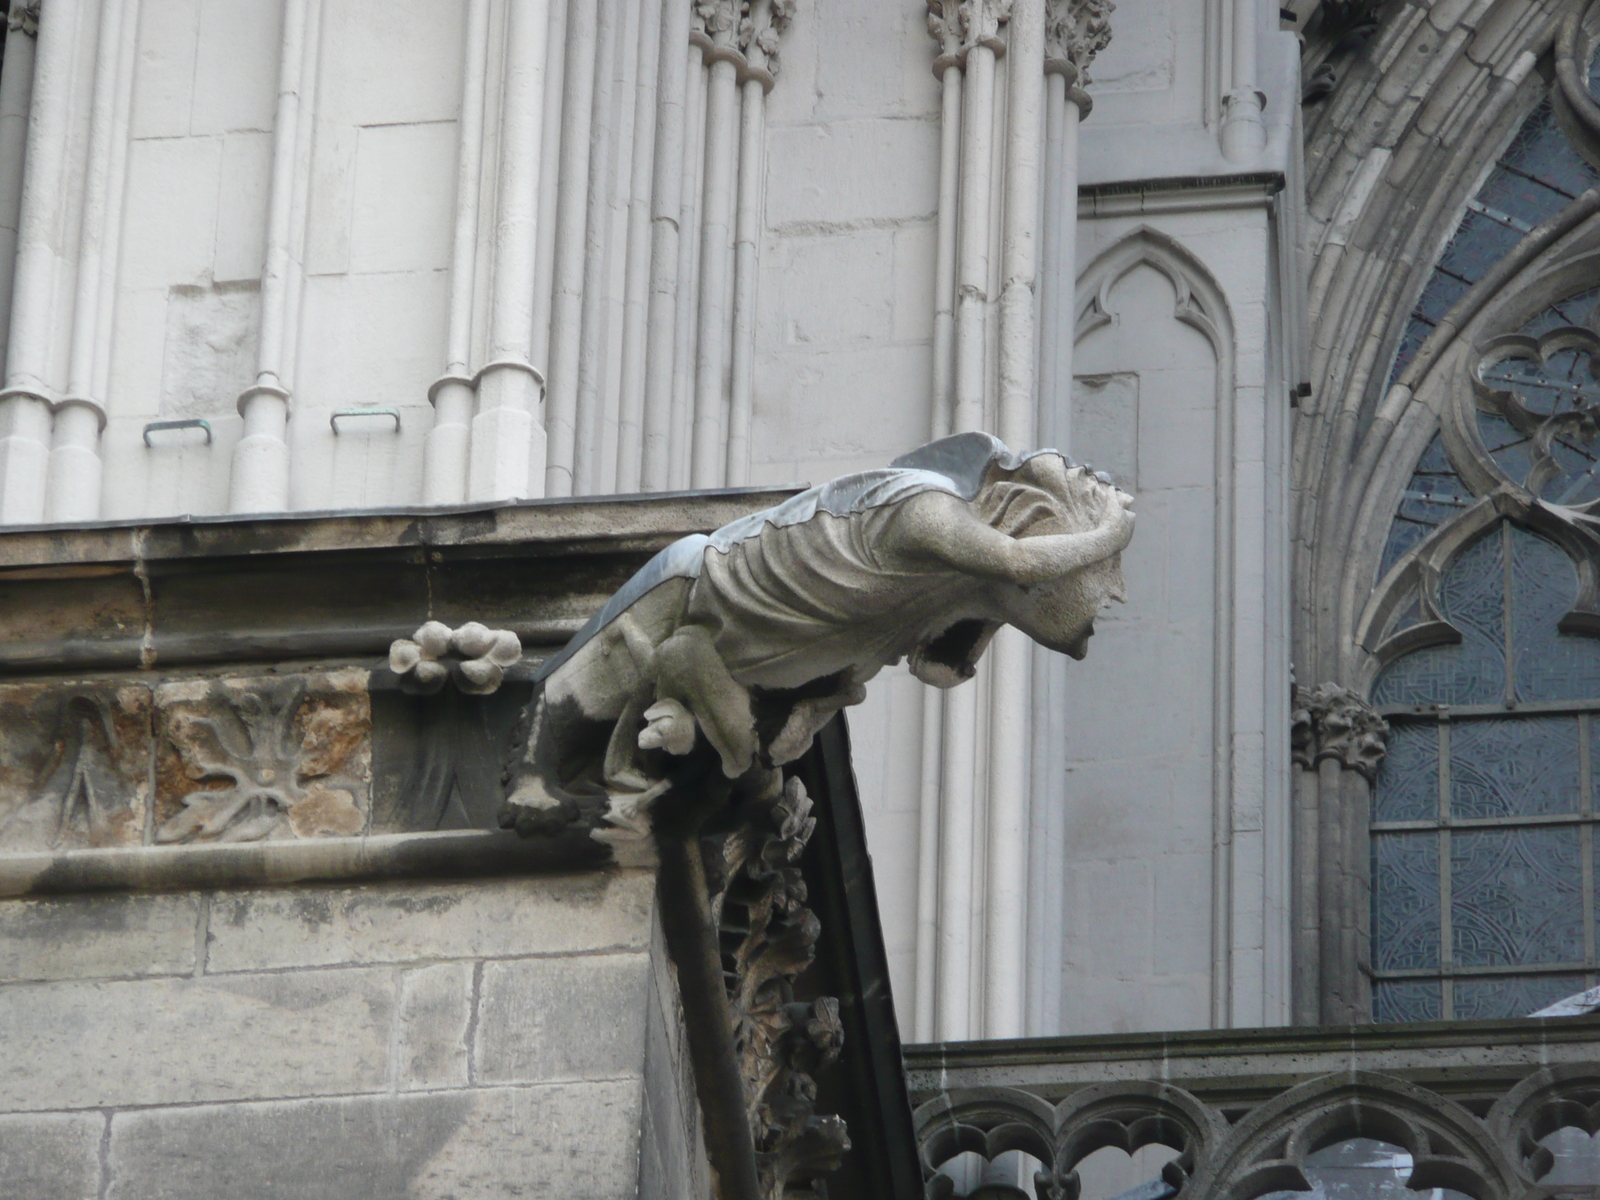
{"x": 1046, "y": 495}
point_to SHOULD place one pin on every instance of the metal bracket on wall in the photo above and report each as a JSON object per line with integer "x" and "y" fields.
{"x": 189, "y": 423}
{"x": 365, "y": 412}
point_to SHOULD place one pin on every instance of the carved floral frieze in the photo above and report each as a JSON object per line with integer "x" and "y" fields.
{"x": 74, "y": 765}
{"x": 116, "y": 763}
{"x": 264, "y": 757}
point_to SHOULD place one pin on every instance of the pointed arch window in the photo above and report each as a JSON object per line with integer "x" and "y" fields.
{"x": 1484, "y": 813}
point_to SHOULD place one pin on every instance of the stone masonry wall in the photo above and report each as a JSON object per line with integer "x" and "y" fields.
{"x": 500, "y": 1037}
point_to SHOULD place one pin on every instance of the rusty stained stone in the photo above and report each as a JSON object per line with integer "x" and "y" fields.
{"x": 267, "y": 756}
{"x": 74, "y": 765}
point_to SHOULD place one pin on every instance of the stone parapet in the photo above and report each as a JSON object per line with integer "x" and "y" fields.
{"x": 1469, "y": 1101}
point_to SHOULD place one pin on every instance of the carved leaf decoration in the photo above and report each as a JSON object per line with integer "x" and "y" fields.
{"x": 768, "y": 938}
{"x": 244, "y": 760}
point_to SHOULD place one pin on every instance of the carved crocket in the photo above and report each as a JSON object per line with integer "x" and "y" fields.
{"x": 754, "y": 636}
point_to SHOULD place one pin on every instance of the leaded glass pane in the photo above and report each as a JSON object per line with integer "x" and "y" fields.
{"x": 1516, "y": 897}
{"x": 1480, "y": 241}
{"x": 1405, "y": 901}
{"x": 1550, "y": 665}
{"x": 1408, "y": 781}
{"x": 1472, "y": 596}
{"x": 1574, "y": 310}
{"x": 1514, "y": 767}
{"x": 1407, "y": 1000}
{"x": 1538, "y": 175}
{"x": 1434, "y": 495}
{"x": 1541, "y": 152}
{"x": 1511, "y": 995}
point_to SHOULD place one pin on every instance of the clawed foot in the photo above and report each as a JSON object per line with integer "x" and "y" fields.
{"x": 668, "y": 726}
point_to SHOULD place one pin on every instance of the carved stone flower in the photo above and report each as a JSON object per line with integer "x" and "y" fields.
{"x": 474, "y": 655}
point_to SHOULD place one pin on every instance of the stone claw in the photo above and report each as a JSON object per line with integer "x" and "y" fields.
{"x": 669, "y": 726}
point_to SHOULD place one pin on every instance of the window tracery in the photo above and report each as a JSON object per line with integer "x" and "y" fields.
{"x": 1483, "y": 815}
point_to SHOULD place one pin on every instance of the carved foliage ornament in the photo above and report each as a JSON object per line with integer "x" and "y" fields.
{"x": 1074, "y": 32}
{"x": 24, "y": 18}
{"x": 743, "y": 32}
{"x": 959, "y": 25}
{"x": 1330, "y": 721}
{"x": 768, "y": 938}
{"x": 244, "y": 760}
{"x": 475, "y": 656}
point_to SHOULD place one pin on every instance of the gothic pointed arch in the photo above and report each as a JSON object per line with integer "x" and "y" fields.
{"x": 1448, "y": 1145}
{"x": 1444, "y": 472}
{"x": 1199, "y": 302}
{"x": 1131, "y": 1115}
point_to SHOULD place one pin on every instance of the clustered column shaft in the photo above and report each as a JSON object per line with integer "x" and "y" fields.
{"x": 980, "y": 864}
{"x": 60, "y": 289}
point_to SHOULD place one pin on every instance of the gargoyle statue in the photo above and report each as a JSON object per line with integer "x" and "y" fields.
{"x": 754, "y": 636}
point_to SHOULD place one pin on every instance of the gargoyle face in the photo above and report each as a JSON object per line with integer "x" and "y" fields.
{"x": 1060, "y": 614}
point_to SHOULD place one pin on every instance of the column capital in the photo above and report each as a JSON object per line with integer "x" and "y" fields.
{"x": 1329, "y": 721}
{"x": 1074, "y": 32}
{"x": 716, "y": 22}
{"x": 763, "y": 23}
{"x": 959, "y": 25}
{"x": 24, "y": 18}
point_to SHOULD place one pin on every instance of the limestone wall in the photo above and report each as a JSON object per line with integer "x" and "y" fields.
{"x": 515, "y": 1036}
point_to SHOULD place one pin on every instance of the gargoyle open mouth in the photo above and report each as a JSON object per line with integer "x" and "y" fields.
{"x": 952, "y": 656}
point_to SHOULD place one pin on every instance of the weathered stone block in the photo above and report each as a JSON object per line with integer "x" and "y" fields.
{"x": 264, "y": 757}
{"x": 554, "y": 1019}
{"x": 83, "y": 937}
{"x": 74, "y": 765}
{"x": 51, "y": 1157}
{"x": 566, "y": 1141}
{"x": 82, "y": 1045}
{"x": 400, "y": 922}
{"x": 434, "y": 1024}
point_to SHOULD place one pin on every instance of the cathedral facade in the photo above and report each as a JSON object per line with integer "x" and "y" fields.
{"x": 289, "y": 282}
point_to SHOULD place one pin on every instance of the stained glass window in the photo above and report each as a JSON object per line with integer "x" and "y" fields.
{"x": 1483, "y": 833}
{"x": 1484, "y": 850}
{"x": 1538, "y": 175}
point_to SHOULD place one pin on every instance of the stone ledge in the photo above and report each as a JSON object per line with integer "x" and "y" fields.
{"x": 1251, "y": 1063}
{"x": 534, "y": 526}
{"x": 456, "y": 853}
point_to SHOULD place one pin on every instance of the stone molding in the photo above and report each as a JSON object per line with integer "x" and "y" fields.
{"x": 1330, "y": 721}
